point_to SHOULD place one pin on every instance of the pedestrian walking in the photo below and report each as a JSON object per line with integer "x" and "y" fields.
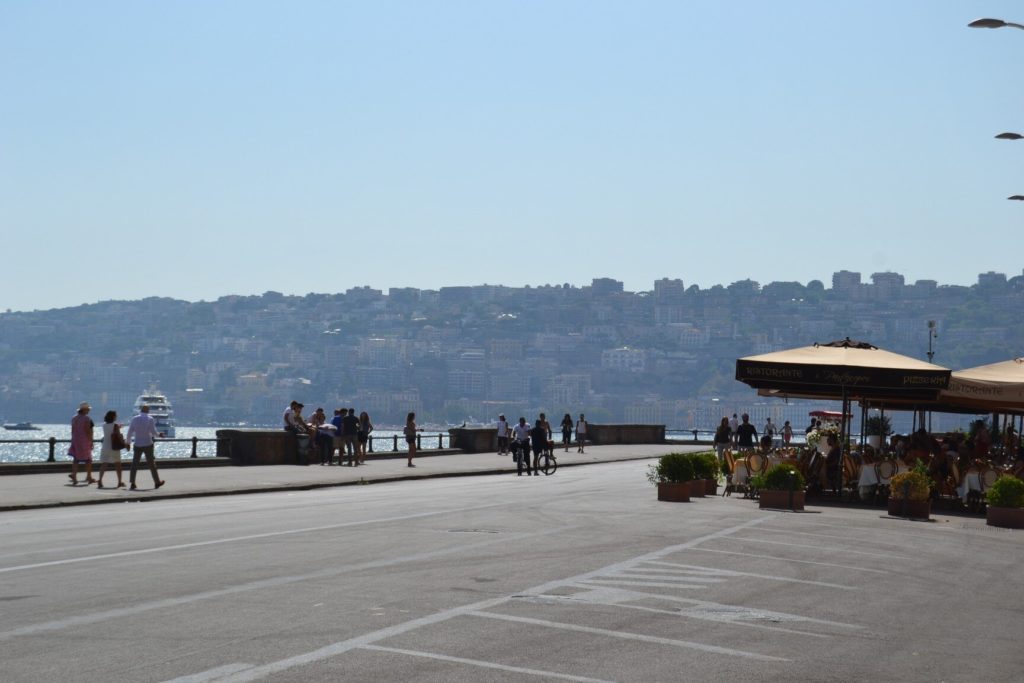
{"x": 502, "y": 435}
{"x": 734, "y": 429}
{"x": 410, "y": 430}
{"x": 581, "y": 433}
{"x": 787, "y": 433}
{"x": 142, "y": 433}
{"x": 566, "y": 431}
{"x": 365, "y": 427}
{"x": 723, "y": 439}
{"x": 110, "y": 449}
{"x": 81, "y": 444}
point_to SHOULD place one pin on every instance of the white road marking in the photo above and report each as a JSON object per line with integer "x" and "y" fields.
{"x": 212, "y": 674}
{"x": 786, "y": 559}
{"x": 626, "y": 635}
{"x": 730, "y": 572}
{"x": 652, "y": 584}
{"x": 236, "y": 539}
{"x": 341, "y": 647}
{"x": 481, "y": 663}
{"x": 277, "y": 581}
{"x": 723, "y": 609}
{"x": 820, "y": 547}
{"x": 665, "y": 577}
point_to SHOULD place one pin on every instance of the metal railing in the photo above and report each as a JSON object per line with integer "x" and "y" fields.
{"x": 384, "y": 443}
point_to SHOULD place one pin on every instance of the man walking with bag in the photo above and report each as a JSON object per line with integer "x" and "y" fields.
{"x": 143, "y": 431}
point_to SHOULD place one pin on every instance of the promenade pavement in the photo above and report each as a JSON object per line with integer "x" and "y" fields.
{"x": 26, "y": 491}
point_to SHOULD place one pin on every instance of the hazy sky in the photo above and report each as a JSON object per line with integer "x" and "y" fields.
{"x": 197, "y": 149}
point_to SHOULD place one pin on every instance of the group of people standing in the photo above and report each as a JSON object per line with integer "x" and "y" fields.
{"x": 142, "y": 432}
{"x": 346, "y": 433}
{"x": 742, "y": 435}
{"x": 520, "y": 439}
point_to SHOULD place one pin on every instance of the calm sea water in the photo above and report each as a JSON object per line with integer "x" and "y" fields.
{"x": 34, "y": 446}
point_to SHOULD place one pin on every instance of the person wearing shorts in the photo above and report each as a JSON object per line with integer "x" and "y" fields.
{"x": 410, "y": 436}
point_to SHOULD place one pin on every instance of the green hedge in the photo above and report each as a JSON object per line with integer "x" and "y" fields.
{"x": 779, "y": 478}
{"x": 672, "y": 468}
{"x": 1007, "y": 492}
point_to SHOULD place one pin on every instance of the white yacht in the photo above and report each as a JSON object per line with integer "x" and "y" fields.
{"x": 160, "y": 410}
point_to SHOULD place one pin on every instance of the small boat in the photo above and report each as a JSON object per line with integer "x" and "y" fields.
{"x": 22, "y": 427}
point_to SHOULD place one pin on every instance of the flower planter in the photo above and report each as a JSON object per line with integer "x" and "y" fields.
{"x": 711, "y": 487}
{"x": 674, "y": 492}
{"x": 915, "y": 509}
{"x": 875, "y": 441}
{"x": 1009, "y": 518}
{"x": 697, "y": 488}
{"x": 780, "y": 500}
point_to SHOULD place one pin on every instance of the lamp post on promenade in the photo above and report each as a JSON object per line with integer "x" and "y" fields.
{"x": 994, "y": 23}
{"x": 988, "y": 22}
{"x": 932, "y": 334}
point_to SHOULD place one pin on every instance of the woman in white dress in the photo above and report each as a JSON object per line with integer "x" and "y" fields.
{"x": 108, "y": 454}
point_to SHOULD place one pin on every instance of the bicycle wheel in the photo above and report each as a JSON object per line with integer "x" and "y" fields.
{"x": 547, "y": 464}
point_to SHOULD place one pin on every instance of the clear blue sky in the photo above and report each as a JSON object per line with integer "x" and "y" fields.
{"x": 197, "y": 149}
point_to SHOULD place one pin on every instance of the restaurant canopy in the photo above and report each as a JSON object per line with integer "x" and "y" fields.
{"x": 845, "y": 369}
{"x": 997, "y": 387}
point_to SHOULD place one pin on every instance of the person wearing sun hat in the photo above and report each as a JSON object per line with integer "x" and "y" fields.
{"x": 81, "y": 444}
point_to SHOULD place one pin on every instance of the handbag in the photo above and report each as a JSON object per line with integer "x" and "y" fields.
{"x": 117, "y": 441}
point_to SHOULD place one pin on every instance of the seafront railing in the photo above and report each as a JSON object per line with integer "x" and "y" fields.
{"x": 383, "y": 443}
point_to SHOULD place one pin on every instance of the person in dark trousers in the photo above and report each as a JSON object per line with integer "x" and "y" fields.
{"x": 539, "y": 440}
{"x": 567, "y": 431}
{"x": 746, "y": 434}
{"x": 521, "y": 434}
{"x": 350, "y": 435}
{"x": 142, "y": 431}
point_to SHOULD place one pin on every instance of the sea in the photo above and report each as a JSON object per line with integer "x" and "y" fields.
{"x": 33, "y": 446}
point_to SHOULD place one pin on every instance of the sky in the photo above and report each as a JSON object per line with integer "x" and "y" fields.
{"x": 199, "y": 149}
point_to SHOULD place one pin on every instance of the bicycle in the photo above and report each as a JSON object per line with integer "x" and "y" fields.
{"x": 546, "y": 463}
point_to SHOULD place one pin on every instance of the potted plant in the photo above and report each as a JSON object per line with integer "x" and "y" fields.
{"x": 910, "y": 494}
{"x": 672, "y": 475}
{"x": 1006, "y": 503}
{"x": 877, "y": 427}
{"x": 783, "y": 488}
{"x": 706, "y": 467}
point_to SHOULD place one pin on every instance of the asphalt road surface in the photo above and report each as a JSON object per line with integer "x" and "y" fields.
{"x": 580, "y": 576}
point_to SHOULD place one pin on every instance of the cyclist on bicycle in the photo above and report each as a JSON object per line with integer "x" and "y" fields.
{"x": 539, "y": 439}
{"x": 521, "y": 432}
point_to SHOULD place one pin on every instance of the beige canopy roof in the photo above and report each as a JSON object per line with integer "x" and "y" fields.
{"x": 995, "y": 387}
{"x": 857, "y": 369}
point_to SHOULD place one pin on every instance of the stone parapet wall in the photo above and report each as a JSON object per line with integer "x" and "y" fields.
{"x": 258, "y": 446}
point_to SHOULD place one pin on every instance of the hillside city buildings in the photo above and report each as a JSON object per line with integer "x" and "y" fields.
{"x": 467, "y": 353}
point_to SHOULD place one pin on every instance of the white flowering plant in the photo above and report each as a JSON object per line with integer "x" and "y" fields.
{"x": 820, "y": 435}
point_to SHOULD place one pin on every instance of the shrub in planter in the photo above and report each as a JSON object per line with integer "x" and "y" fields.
{"x": 1006, "y": 503}
{"x": 705, "y": 466}
{"x": 672, "y": 475}
{"x": 877, "y": 425}
{"x": 910, "y": 494}
{"x": 779, "y": 481}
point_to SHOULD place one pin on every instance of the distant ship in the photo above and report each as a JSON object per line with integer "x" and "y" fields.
{"x": 160, "y": 410}
{"x": 22, "y": 427}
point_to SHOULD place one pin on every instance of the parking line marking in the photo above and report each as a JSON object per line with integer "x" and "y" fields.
{"x": 235, "y": 539}
{"x": 652, "y": 584}
{"x": 820, "y": 547}
{"x": 626, "y": 635}
{"x": 212, "y": 674}
{"x": 484, "y": 664}
{"x": 274, "y": 582}
{"x": 786, "y": 559}
{"x": 730, "y": 572}
{"x": 640, "y": 595}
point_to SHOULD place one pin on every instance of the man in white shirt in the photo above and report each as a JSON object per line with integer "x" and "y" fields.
{"x": 521, "y": 432}
{"x": 734, "y": 428}
{"x": 142, "y": 430}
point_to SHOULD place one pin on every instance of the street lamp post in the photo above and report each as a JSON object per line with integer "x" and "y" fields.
{"x": 994, "y": 23}
{"x": 932, "y": 334}
{"x": 988, "y": 22}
